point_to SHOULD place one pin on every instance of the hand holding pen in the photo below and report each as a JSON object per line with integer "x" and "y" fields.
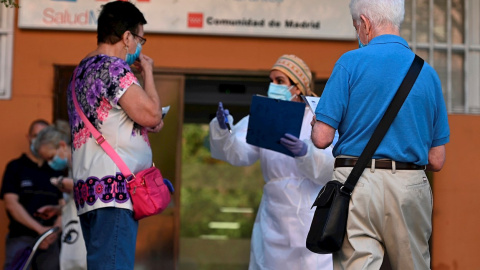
{"x": 222, "y": 117}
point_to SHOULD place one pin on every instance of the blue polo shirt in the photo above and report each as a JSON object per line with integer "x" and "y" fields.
{"x": 362, "y": 85}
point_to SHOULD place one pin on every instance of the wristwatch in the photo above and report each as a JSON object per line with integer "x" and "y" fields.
{"x": 60, "y": 181}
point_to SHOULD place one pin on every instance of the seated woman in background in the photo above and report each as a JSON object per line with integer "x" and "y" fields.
{"x": 53, "y": 145}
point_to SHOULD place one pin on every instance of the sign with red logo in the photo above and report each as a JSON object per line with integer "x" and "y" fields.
{"x": 313, "y": 19}
{"x": 195, "y": 20}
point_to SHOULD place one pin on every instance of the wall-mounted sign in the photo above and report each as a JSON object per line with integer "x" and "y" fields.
{"x": 313, "y": 19}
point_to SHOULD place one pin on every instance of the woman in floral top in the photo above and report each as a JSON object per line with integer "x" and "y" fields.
{"x": 113, "y": 100}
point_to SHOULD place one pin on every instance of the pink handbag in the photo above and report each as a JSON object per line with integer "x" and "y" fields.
{"x": 149, "y": 191}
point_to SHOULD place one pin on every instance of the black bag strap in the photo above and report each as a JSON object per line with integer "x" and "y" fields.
{"x": 384, "y": 124}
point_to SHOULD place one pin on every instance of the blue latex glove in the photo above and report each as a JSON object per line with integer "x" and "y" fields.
{"x": 295, "y": 145}
{"x": 169, "y": 185}
{"x": 222, "y": 116}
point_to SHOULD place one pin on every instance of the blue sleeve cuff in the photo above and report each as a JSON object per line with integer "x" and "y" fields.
{"x": 327, "y": 120}
{"x": 440, "y": 141}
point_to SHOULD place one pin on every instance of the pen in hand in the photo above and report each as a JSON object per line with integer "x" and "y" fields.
{"x": 227, "y": 123}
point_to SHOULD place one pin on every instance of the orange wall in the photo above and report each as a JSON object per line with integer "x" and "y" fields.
{"x": 456, "y": 218}
{"x": 36, "y": 51}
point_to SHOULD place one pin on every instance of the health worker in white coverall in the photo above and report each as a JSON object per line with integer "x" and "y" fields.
{"x": 291, "y": 183}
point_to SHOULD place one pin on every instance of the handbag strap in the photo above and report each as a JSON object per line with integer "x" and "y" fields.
{"x": 384, "y": 124}
{"x": 99, "y": 139}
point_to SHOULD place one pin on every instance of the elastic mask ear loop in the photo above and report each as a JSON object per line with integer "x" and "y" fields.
{"x": 293, "y": 96}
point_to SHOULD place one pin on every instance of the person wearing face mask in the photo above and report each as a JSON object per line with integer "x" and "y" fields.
{"x": 53, "y": 145}
{"x": 291, "y": 183}
{"x": 390, "y": 213}
{"x": 25, "y": 188}
{"x": 111, "y": 97}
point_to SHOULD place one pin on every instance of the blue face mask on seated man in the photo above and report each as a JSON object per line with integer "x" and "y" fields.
{"x": 130, "y": 58}
{"x": 58, "y": 163}
{"x": 279, "y": 91}
{"x": 32, "y": 147}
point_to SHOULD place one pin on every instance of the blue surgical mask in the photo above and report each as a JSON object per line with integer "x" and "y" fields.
{"x": 130, "y": 58}
{"x": 58, "y": 163}
{"x": 32, "y": 147}
{"x": 279, "y": 91}
{"x": 360, "y": 44}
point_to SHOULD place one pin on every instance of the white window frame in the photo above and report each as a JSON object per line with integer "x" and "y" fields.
{"x": 6, "y": 51}
{"x": 471, "y": 73}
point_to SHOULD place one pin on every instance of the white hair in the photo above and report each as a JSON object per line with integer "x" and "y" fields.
{"x": 52, "y": 135}
{"x": 379, "y": 12}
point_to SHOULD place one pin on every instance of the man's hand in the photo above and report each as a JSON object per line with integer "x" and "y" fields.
{"x": 48, "y": 211}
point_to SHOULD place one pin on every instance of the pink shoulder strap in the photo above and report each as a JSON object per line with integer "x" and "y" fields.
{"x": 99, "y": 139}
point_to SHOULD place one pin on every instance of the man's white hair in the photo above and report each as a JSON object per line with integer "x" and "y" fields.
{"x": 379, "y": 12}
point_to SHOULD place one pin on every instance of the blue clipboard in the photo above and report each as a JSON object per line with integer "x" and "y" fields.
{"x": 270, "y": 119}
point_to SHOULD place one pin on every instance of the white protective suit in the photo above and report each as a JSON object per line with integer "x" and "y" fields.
{"x": 291, "y": 186}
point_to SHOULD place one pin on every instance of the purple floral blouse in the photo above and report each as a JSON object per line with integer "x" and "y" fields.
{"x": 100, "y": 82}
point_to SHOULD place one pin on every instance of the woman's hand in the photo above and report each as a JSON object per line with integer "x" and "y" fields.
{"x": 51, "y": 239}
{"x": 144, "y": 64}
{"x": 156, "y": 129}
{"x": 142, "y": 104}
{"x": 62, "y": 183}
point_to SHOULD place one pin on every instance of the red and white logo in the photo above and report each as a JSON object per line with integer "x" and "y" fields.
{"x": 195, "y": 20}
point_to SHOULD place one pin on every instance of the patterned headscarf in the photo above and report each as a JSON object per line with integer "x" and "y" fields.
{"x": 297, "y": 71}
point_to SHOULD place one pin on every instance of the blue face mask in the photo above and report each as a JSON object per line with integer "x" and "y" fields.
{"x": 278, "y": 91}
{"x": 360, "y": 44}
{"x": 32, "y": 147}
{"x": 58, "y": 163}
{"x": 130, "y": 58}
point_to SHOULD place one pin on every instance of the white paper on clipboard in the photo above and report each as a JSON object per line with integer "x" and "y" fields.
{"x": 311, "y": 102}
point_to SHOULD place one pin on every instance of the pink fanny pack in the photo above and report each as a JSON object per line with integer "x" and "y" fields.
{"x": 149, "y": 191}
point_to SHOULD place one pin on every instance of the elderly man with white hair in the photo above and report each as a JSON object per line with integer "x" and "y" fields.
{"x": 391, "y": 205}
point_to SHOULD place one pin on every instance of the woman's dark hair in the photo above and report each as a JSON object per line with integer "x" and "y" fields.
{"x": 115, "y": 19}
{"x": 291, "y": 82}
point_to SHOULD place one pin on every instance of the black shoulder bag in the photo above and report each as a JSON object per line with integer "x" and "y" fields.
{"x": 329, "y": 223}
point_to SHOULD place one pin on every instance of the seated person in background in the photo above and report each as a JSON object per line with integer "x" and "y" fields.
{"x": 25, "y": 188}
{"x": 53, "y": 146}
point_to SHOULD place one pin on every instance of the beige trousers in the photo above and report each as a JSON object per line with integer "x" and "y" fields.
{"x": 390, "y": 212}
